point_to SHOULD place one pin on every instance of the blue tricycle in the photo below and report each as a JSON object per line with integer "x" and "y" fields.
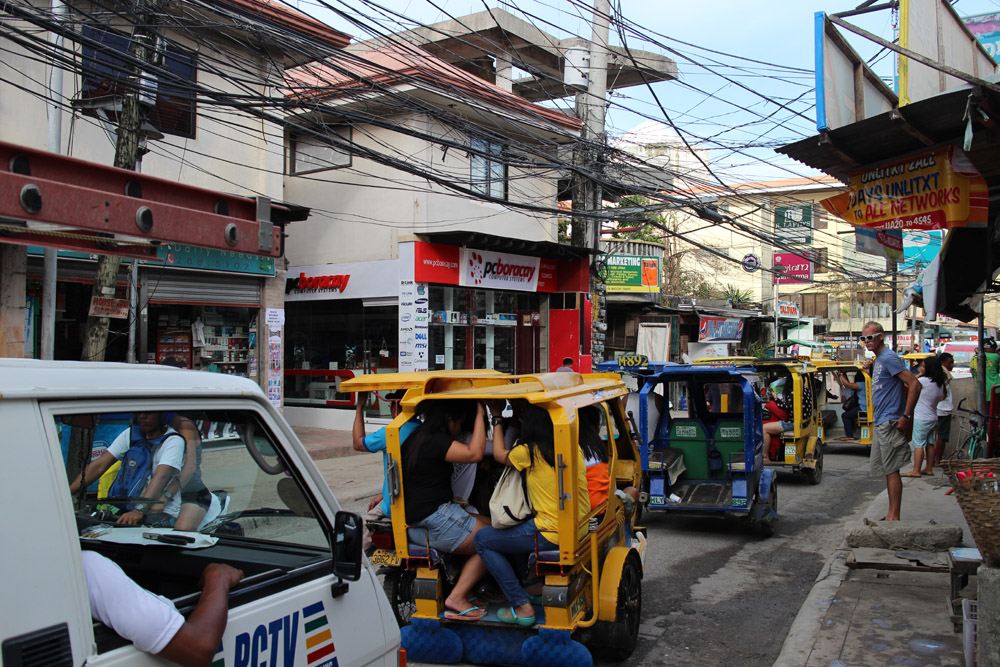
{"x": 701, "y": 441}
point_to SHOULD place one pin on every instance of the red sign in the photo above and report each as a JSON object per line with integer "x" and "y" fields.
{"x": 435, "y": 263}
{"x": 797, "y": 269}
{"x": 335, "y": 283}
{"x": 102, "y": 306}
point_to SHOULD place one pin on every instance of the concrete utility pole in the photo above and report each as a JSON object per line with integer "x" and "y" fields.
{"x": 127, "y": 155}
{"x": 51, "y": 267}
{"x": 587, "y": 194}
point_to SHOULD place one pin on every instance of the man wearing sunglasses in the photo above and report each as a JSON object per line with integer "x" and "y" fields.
{"x": 893, "y": 414}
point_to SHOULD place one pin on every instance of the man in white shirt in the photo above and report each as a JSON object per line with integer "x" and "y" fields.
{"x": 168, "y": 458}
{"x": 151, "y": 622}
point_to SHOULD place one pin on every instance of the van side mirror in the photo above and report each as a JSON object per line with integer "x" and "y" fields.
{"x": 348, "y": 532}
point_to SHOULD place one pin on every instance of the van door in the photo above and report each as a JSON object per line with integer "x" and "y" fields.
{"x": 254, "y": 502}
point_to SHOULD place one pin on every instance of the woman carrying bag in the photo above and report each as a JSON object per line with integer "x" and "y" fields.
{"x": 534, "y": 455}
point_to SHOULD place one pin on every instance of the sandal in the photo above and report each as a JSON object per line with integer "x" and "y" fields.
{"x": 508, "y": 615}
{"x": 469, "y": 615}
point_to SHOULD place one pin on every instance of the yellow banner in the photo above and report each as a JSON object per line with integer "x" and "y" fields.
{"x": 939, "y": 189}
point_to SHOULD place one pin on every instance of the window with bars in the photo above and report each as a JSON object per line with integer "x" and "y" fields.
{"x": 489, "y": 171}
{"x": 106, "y": 74}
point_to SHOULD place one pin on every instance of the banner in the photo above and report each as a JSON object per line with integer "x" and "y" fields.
{"x": 497, "y": 270}
{"x": 938, "y": 189}
{"x": 798, "y": 269}
{"x": 886, "y": 243}
{"x": 632, "y": 273}
{"x": 720, "y": 330}
{"x": 793, "y": 224}
{"x": 788, "y": 309}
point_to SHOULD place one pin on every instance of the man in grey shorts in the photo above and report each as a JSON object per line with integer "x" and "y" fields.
{"x": 893, "y": 422}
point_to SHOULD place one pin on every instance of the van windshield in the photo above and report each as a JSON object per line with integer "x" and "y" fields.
{"x": 217, "y": 473}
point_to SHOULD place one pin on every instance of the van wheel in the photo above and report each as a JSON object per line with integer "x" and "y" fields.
{"x": 398, "y": 587}
{"x": 616, "y": 641}
{"x": 815, "y": 475}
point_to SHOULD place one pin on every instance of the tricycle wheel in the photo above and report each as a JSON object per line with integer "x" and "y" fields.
{"x": 398, "y": 587}
{"x": 616, "y": 640}
{"x": 815, "y": 475}
{"x": 766, "y": 526}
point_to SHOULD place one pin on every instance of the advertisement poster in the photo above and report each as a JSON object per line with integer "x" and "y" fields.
{"x": 274, "y": 391}
{"x": 720, "y": 330}
{"x": 707, "y": 350}
{"x": 632, "y": 273}
{"x": 986, "y": 28}
{"x": 414, "y": 320}
{"x": 788, "y": 309}
{"x": 274, "y": 353}
{"x": 886, "y": 243}
{"x": 793, "y": 224}
{"x": 497, "y": 270}
{"x": 797, "y": 269}
{"x": 938, "y": 189}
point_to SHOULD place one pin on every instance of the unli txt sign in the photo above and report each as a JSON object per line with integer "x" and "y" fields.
{"x": 938, "y": 189}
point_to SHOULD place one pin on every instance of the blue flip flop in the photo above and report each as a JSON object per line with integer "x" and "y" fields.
{"x": 508, "y": 615}
{"x": 469, "y": 615}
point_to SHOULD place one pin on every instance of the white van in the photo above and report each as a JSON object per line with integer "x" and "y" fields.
{"x": 301, "y": 601}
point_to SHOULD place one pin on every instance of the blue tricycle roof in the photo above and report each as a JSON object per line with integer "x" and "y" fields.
{"x": 655, "y": 368}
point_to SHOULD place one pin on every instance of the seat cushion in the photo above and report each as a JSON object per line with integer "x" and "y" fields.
{"x": 420, "y": 551}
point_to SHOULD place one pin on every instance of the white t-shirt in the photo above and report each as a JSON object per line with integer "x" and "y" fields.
{"x": 930, "y": 395}
{"x": 945, "y": 407}
{"x": 169, "y": 453}
{"x": 149, "y": 621}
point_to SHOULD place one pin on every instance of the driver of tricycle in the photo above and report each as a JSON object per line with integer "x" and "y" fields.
{"x": 152, "y": 454}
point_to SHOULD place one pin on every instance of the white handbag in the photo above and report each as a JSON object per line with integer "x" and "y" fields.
{"x": 509, "y": 504}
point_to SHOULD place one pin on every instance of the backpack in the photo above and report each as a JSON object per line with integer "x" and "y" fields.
{"x": 509, "y": 504}
{"x": 136, "y": 465}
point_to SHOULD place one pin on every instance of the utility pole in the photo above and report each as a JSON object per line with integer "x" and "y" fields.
{"x": 127, "y": 154}
{"x": 587, "y": 194}
{"x": 895, "y": 303}
{"x": 51, "y": 266}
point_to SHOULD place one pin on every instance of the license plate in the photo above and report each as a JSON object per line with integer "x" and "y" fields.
{"x": 384, "y": 557}
{"x": 790, "y": 454}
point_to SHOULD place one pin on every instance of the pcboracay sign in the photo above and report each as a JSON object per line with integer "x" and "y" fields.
{"x": 497, "y": 270}
{"x": 938, "y": 189}
{"x": 302, "y": 283}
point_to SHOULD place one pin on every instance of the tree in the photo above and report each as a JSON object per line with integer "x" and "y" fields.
{"x": 737, "y": 297}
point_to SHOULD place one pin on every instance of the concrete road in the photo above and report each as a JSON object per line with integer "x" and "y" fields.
{"x": 715, "y": 594}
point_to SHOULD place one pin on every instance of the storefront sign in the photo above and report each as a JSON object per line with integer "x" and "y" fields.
{"x": 793, "y": 224}
{"x": 348, "y": 280}
{"x": 435, "y": 263}
{"x": 938, "y": 189}
{"x": 796, "y": 268}
{"x": 750, "y": 263}
{"x": 211, "y": 259}
{"x": 329, "y": 283}
{"x": 102, "y": 306}
{"x": 497, "y": 270}
{"x": 414, "y": 320}
{"x": 886, "y": 243}
{"x": 632, "y": 273}
{"x": 788, "y": 309}
{"x": 720, "y": 330}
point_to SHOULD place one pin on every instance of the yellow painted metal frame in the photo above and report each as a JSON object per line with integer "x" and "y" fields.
{"x": 867, "y": 427}
{"x": 561, "y": 394}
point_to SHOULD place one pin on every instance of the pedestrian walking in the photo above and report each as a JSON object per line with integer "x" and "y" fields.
{"x": 893, "y": 414}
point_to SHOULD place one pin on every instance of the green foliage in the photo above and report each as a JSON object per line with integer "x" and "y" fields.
{"x": 756, "y": 349}
{"x": 737, "y": 297}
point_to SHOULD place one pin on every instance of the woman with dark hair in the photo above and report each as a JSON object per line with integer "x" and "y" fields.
{"x": 933, "y": 383}
{"x": 534, "y": 453}
{"x": 944, "y": 410}
{"x": 432, "y": 516}
{"x": 595, "y": 455}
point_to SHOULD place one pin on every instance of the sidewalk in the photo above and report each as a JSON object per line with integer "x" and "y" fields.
{"x": 354, "y": 477}
{"x": 882, "y": 616}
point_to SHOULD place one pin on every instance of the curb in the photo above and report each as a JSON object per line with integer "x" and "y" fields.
{"x": 806, "y": 627}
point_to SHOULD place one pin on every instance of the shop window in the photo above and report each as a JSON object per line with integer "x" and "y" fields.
{"x": 309, "y": 154}
{"x": 489, "y": 174}
{"x": 106, "y": 74}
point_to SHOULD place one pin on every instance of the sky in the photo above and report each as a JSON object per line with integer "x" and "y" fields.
{"x": 723, "y": 104}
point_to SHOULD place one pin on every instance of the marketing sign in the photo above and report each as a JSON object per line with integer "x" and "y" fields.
{"x": 886, "y": 243}
{"x": 793, "y": 224}
{"x": 720, "y": 330}
{"x": 632, "y": 273}
{"x": 414, "y": 321}
{"x": 797, "y": 269}
{"x": 939, "y": 189}
{"x": 920, "y": 249}
{"x": 497, "y": 270}
{"x": 788, "y": 309}
{"x": 103, "y": 306}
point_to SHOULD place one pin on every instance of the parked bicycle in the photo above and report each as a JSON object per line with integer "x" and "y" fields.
{"x": 973, "y": 446}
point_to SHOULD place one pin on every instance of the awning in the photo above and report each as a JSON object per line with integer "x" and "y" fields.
{"x": 546, "y": 249}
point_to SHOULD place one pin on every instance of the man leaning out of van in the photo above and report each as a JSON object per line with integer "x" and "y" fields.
{"x": 151, "y": 622}
{"x": 153, "y": 439}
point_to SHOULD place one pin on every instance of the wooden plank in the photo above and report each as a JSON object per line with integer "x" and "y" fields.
{"x": 886, "y": 559}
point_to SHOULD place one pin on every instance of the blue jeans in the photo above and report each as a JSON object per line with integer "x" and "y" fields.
{"x": 493, "y": 546}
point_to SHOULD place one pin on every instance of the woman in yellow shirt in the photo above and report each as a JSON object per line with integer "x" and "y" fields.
{"x": 534, "y": 452}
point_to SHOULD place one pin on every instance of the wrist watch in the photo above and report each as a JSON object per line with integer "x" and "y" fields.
{"x": 139, "y": 507}
{"x": 907, "y": 416}
{"x": 496, "y": 421}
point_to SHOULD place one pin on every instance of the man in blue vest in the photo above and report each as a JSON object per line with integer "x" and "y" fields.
{"x": 152, "y": 454}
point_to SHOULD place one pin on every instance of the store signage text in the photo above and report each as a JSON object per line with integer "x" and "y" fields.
{"x": 788, "y": 309}
{"x": 632, "y": 273}
{"x": 334, "y": 283}
{"x": 793, "y": 268}
{"x": 495, "y": 270}
{"x": 938, "y": 189}
{"x": 720, "y": 330}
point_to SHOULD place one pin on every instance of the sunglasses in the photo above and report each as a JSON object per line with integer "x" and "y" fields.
{"x": 868, "y": 337}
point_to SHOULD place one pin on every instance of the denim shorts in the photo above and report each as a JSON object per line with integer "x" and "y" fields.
{"x": 445, "y": 529}
{"x": 923, "y": 433}
{"x": 787, "y": 426}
